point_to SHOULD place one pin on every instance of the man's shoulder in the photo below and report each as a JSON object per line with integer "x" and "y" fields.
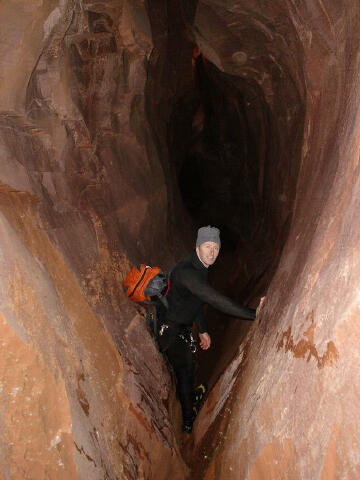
{"x": 184, "y": 267}
{"x": 185, "y": 271}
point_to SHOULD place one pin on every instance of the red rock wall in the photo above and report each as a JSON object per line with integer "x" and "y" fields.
{"x": 84, "y": 160}
{"x": 84, "y": 393}
{"x": 287, "y": 407}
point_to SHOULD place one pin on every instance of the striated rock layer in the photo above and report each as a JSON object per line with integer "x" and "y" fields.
{"x": 287, "y": 406}
{"x": 101, "y": 105}
{"x": 84, "y": 393}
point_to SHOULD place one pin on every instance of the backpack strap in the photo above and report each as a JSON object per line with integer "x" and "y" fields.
{"x": 164, "y": 301}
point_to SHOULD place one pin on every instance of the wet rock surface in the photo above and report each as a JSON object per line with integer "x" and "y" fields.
{"x": 107, "y": 111}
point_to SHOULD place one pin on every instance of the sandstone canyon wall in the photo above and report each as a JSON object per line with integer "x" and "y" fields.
{"x": 95, "y": 99}
{"x": 289, "y": 407}
{"x": 84, "y": 393}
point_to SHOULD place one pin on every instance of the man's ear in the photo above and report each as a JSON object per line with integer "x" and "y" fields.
{"x": 197, "y": 250}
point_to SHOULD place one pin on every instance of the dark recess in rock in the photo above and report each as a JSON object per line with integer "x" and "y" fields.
{"x": 125, "y": 125}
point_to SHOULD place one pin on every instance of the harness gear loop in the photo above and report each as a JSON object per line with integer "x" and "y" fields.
{"x": 191, "y": 343}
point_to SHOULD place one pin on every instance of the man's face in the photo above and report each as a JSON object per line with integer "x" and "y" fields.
{"x": 207, "y": 253}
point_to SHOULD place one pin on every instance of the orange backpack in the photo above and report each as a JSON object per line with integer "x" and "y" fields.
{"x": 139, "y": 278}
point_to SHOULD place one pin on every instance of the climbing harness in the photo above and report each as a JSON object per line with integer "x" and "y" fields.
{"x": 163, "y": 328}
{"x": 190, "y": 341}
{"x": 187, "y": 336}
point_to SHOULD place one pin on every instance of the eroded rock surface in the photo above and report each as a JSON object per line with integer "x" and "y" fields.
{"x": 84, "y": 393}
{"x": 101, "y": 102}
{"x": 289, "y": 401}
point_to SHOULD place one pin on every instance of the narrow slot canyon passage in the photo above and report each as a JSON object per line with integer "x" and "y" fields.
{"x": 124, "y": 127}
{"x": 221, "y": 177}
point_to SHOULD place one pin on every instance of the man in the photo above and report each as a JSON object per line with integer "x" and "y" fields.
{"x": 189, "y": 290}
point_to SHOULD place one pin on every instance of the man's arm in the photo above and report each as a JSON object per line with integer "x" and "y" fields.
{"x": 201, "y": 322}
{"x": 205, "y": 339}
{"x": 209, "y": 295}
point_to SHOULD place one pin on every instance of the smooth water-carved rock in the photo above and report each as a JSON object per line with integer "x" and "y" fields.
{"x": 104, "y": 107}
{"x": 292, "y": 411}
{"x": 84, "y": 392}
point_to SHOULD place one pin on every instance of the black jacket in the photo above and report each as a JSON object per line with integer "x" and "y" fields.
{"x": 189, "y": 290}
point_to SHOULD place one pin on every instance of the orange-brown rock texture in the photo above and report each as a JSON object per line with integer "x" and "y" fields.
{"x": 287, "y": 407}
{"x": 84, "y": 392}
{"x": 124, "y": 124}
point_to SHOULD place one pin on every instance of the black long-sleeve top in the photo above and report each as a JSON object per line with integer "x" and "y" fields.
{"x": 189, "y": 290}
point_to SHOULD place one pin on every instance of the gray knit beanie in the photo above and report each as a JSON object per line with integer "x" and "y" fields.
{"x": 208, "y": 234}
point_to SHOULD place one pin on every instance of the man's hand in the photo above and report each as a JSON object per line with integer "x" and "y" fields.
{"x": 260, "y": 306}
{"x": 205, "y": 340}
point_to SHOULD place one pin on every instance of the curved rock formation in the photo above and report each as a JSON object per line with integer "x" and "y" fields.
{"x": 122, "y": 126}
{"x": 288, "y": 402}
{"x": 84, "y": 392}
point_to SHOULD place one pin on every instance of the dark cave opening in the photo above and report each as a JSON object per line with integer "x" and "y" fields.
{"x": 225, "y": 165}
{"x": 229, "y": 136}
{"x": 115, "y": 147}
{"x": 218, "y": 174}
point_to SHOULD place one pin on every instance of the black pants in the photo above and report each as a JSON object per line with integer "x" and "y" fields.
{"x": 182, "y": 360}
